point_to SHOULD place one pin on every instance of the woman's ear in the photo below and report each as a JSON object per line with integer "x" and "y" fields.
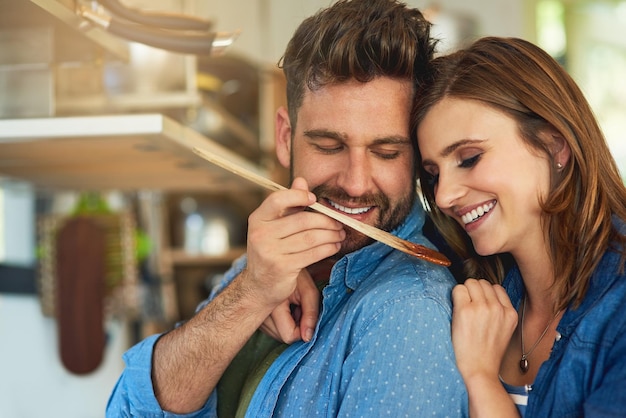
{"x": 283, "y": 137}
{"x": 561, "y": 151}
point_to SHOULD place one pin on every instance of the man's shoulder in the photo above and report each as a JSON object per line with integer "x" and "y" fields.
{"x": 412, "y": 273}
{"x": 407, "y": 282}
{"x": 423, "y": 300}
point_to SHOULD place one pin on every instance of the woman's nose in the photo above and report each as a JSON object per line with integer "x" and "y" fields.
{"x": 448, "y": 190}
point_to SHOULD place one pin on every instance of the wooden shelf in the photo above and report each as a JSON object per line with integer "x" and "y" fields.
{"x": 179, "y": 257}
{"x": 114, "y": 152}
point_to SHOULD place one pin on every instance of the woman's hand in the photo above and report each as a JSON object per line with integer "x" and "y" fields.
{"x": 483, "y": 321}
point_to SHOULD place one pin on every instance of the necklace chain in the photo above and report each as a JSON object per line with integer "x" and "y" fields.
{"x": 523, "y": 363}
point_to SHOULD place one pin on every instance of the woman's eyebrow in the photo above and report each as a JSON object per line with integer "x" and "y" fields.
{"x": 453, "y": 147}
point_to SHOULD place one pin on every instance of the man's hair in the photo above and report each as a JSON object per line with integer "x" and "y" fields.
{"x": 355, "y": 39}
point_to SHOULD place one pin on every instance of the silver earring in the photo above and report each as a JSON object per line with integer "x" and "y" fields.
{"x": 559, "y": 166}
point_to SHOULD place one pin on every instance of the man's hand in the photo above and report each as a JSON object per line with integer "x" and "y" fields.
{"x": 295, "y": 318}
{"x": 284, "y": 239}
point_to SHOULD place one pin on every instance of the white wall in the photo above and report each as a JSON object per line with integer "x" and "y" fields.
{"x": 33, "y": 382}
{"x": 17, "y": 232}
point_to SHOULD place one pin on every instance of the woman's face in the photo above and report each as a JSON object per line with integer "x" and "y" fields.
{"x": 484, "y": 175}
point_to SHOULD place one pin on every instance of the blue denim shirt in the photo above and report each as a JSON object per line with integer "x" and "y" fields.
{"x": 586, "y": 372}
{"x": 382, "y": 347}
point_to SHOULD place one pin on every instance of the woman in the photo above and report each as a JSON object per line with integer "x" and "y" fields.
{"x": 516, "y": 169}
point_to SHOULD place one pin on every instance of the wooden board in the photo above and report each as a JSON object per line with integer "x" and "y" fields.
{"x": 115, "y": 152}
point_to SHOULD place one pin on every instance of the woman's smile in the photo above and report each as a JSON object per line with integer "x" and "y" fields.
{"x": 474, "y": 214}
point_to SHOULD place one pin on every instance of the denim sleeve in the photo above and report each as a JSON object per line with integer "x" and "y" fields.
{"x": 133, "y": 394}
{"x": 402, "y": 364}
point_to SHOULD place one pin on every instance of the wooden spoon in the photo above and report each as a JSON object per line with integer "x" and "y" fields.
{"x": 393, "y": 241}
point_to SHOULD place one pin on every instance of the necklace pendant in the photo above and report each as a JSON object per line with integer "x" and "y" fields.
{"x": 523, "y": 365}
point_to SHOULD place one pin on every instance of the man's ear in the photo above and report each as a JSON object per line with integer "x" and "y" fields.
{"x": 283, "y": 137}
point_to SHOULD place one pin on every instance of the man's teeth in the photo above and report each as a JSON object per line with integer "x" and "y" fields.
{"x": 476, "y": 213}
{"x": 350, "y": 211}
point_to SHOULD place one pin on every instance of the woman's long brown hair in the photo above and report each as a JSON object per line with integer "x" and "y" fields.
{"x": 521, "y": 80}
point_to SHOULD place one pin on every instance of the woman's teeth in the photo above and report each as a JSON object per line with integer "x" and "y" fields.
{"x": 477, "y": 213}
{"x": 350, "y": 211}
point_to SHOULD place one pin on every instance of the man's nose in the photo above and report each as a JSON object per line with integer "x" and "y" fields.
{"x": 356, "y": 176}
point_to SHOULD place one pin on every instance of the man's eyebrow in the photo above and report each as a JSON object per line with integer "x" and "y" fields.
{"x": 324, "y": 133}
{"x": 339, "y": 136}
{"x": 391, "y": 140}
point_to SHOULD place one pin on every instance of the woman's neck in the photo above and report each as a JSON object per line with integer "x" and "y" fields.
{"x": 537, "y": 273}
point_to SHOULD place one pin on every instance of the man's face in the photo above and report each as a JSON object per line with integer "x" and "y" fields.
{"x": 352, "y": 146}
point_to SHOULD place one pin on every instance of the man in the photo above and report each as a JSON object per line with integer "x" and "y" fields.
{"x": 381, "y": 344}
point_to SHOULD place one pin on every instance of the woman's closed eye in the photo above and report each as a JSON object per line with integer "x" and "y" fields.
{"x": 467, "y": 157}
{"x": 432, "y": 174}
{"x": 471, "y": 161}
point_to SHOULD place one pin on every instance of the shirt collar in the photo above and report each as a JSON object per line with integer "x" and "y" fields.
{"x": 361, "y": 263}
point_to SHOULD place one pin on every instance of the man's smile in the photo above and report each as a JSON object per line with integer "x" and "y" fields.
{"x": 347, "y": 210}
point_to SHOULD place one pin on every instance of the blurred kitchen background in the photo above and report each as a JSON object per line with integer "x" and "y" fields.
{"x": 111, "y": 227}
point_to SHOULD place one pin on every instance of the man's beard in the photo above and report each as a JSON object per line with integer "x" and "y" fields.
{"x": 388, "y": 217}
